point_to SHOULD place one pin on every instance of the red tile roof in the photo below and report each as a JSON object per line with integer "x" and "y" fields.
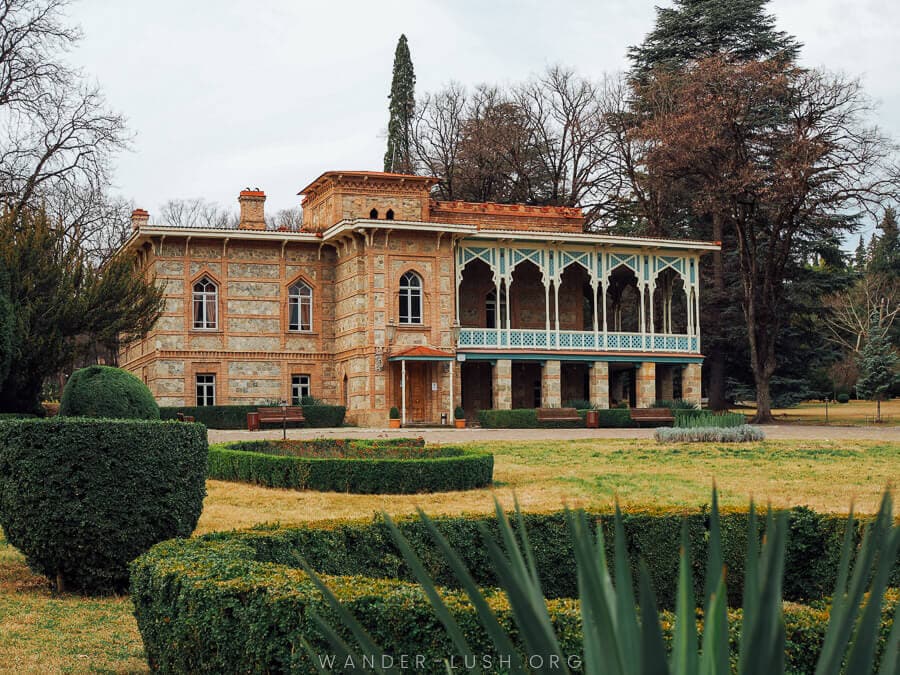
{"x": 421, "y": 350}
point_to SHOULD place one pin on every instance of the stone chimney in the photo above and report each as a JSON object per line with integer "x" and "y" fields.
{"x": 139, "y": 219}
{"x": 252, "y": 209}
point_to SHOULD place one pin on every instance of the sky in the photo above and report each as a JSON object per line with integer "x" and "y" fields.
{"x": 223, "y": 94}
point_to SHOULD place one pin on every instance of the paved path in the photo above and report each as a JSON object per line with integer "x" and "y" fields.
{"x": 440, "y": 435}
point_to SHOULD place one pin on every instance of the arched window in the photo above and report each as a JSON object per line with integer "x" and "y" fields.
{"x": 490, "y": 309}
{"x": 300, "y": 298}
{"x": 390, "y": 214}
{"x": 410, "y": 298}
{"x": 373, "y": 214}
{"x": 206, "y": 300}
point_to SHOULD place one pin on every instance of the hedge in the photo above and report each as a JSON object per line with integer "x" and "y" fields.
{"x": 707, "y": 418}
{"x": 526, "y": 418}
{"x": 697, "y": 434}
{"x": 237, "y": 601}
{"x": 81, "y": 498}
{"x": 235, "y": 416}
{"x": 442, "y": 469}
{"x": 103, "y": 391}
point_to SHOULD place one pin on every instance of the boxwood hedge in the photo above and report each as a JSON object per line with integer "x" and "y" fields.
{"x": 81, "y": 498}
{"x": 103, "y": 391}
{"x": 235, "y": 416}
{"x": 238, "y": 602}
{"x": 363, "y": 470}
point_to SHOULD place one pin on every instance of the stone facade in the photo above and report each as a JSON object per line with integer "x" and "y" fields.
{"x": 362, "y": 233}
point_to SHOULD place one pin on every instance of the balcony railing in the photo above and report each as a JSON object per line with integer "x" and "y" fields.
{"x": 500, "y": 338}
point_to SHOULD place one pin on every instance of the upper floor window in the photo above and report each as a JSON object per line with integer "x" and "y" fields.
{"x": 490, "y": 309}
{"x": 300, "y": 307}
{"x": 206, "y": 298}
{"x": 373, "y": 214}
{"x": 390, "y": 214}
{"x": 410, "y": 298}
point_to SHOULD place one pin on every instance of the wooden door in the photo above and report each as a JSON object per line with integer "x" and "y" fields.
{"x": 417, "y": 391}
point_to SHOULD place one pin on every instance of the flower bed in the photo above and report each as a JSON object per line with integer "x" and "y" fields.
{"x": 396, "y": 466}
{"x": 238, "y": 602}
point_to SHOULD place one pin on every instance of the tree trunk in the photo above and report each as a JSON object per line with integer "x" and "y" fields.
{"x": 763, "y": 401}
{"x": 715, "y": 360}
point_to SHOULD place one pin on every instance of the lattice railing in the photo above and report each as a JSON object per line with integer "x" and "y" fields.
{"x": 575, "y": 340}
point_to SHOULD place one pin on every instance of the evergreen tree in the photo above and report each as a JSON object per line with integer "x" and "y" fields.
{"x": 877, "y": 366}
{"x": 860, "y": 258}
{"x": 695, "y": 29}
{"x": 398, "y": 157}
{"x": 886, "y": 249}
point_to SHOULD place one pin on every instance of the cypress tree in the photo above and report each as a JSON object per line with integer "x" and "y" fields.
{"x": 877, "y": 366}
{"x": 860, "y": 257}
{"x": 886, "y": 250}
{"x": 402, "y": 105}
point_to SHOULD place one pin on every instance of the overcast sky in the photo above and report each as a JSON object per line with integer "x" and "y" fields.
{"x": 224, "y": 94}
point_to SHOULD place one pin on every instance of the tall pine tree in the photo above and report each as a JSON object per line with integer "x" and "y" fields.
{"x": 398, "y": 157}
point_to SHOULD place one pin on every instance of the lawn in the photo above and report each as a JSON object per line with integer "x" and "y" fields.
{"x": 855, "y": 413}
{"x": 70, "y": 634}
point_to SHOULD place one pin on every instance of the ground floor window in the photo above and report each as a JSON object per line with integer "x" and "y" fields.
{"x": 206, "y": 389}
{"x": 299, "y": 388}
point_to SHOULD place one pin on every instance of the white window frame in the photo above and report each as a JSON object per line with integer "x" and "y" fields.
{"x": 300, "y": 295}
{"x": 299, "y": 383}
{"x": 206, "y": 299}
{"x": 205, "y": 389}
{"x": 411, "y": 291}
{"x": 490, "y": 305}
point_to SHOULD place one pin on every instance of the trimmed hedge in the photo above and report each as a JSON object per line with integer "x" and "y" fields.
{"x": 526, "y": 418}
{"x": 102, "y": 391}
{"x": 237, "y": 600}
{"x": 441, "y": 469}
{"x": 235, "y": 416}
{"x": 81, "y": 498}
{"x": 707, "y": 418}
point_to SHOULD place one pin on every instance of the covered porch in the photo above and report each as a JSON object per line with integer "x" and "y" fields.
{"x": 423, "y": 381}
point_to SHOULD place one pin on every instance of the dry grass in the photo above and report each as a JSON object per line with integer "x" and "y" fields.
{"x": 856, "y": 413}
{"x": 43, "y": 633}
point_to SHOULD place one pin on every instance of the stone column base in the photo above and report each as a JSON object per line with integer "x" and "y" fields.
{"x": 599, "y": 384}
{"x": 646, "y": 385}
{"x": 502, "y": 384}
{"x": 551, "y": 385}
{"x": 690, "y": 383}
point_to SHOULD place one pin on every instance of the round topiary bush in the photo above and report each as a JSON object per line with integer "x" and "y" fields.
{"x": 102, "y": 391}
{"x": 81, "y": 498}
{"x": 843, "y": 398}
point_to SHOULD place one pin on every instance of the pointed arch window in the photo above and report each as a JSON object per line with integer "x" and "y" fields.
{"x": 300, "y": 298}
{"x": 410, "y": 298}
{"x": 206, "y": 301}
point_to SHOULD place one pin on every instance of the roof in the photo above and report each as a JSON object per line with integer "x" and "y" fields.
{"x": 422, "y": 353}
{"x": 426, "y": 181}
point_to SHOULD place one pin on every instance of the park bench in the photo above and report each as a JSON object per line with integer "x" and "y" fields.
{"x": 558, "y": 415}
{"x": 274, "y": 415}
{"x": 181, "y": 417}
{"x": 652, "y": 416}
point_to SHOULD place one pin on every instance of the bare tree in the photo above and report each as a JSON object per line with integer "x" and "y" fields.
{"x": 197, "y": 212}
{"x": 437, "y": 129}
{"x": 286, "y": 219}
{"x": 57, "y": 132}
{"x": 852, "y": 311}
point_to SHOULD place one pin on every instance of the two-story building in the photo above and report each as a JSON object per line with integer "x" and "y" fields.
{"x": 386, "y": 297}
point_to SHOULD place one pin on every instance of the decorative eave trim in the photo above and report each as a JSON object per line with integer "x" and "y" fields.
{"x": 612, "y": 357}
{"x": 598, "y": 239}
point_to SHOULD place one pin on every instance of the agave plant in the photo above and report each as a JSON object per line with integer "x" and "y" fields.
{"x": 622, "y": 634}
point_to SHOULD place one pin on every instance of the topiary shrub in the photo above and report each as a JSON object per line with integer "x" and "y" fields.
{"x": 102, "y": 391}
{"x": 81, "y": 498}
{"x": 843, "y": 398}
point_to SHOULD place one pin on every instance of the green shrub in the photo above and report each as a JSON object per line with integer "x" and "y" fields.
{"x": 394, "y": 414}
{"x": 101, "y": 391}
{"x": 843, "y": 398}
{"x": 616, "y": 418}
{"x": 459, "y": 413}
{"x": 235, "y": 416}
{"x": 742, "y": 434}
{"x": 443, "y": 469}
{"x": 81, "y": 498}
{"x": 677, "y": 404}
{"x": 523, "y": 418}
{"x": 236, "y": 601}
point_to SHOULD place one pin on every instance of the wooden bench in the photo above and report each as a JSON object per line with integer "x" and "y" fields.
{"x": 652, "y": 416}
{"x": 558, "y": 415}
{"x": 274, "y": 415}
{"x": 181, "y": 417}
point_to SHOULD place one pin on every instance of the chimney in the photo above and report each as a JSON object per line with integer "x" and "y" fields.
{"x": 252, "y": 209}
{"x": 139, "y": 219}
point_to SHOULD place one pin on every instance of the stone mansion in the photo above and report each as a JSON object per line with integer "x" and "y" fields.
{"x": 386, "y": 297}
